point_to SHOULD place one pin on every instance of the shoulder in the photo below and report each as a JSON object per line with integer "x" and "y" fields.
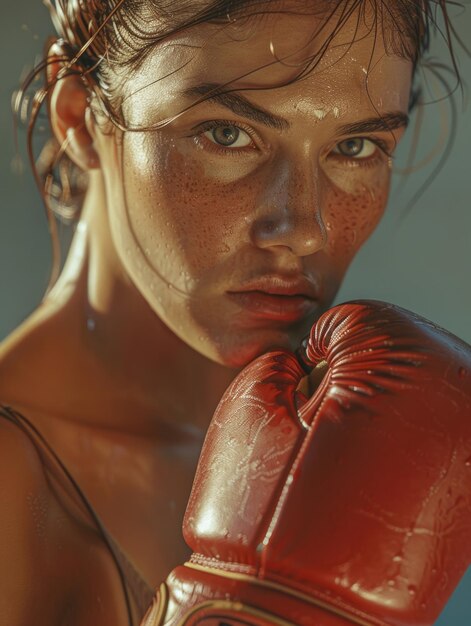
{"x": 36, "y": 499}
{"x": 51, "y": 562}
{"x": 21, "y": 471}
{"x": 28, "y": 523}
{"x": 27, "y": 362}
{"x": 20, "y": 353}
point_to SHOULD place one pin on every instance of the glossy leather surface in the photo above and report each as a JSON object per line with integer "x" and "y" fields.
{"x": 351, "y": 507}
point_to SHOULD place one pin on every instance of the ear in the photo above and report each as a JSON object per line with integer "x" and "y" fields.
{"x": 69, "y": 111}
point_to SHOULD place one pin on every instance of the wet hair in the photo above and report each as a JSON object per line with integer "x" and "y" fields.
{"x": 102, "y": 40}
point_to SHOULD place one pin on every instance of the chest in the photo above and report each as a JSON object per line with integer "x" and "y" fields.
{"x": 142, "y": 501}
{"x": 139, "y": 488}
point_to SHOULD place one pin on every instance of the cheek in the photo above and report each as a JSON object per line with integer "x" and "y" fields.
{"x": 181, "y": 216}
{"x": 351, "y": 213}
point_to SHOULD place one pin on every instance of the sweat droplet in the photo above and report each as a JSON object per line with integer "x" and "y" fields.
{"x": 90, "y": 323}
{"x": 468, "y": 462}
{"x": 412, "y": 590}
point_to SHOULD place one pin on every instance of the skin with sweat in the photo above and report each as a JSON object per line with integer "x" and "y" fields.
{"x": 282, "y": 204}
{"x": 187, "y": 235}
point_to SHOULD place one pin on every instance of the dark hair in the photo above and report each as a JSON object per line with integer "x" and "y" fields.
{"x": 102, "y": 35}
{"x": 99, "y": 37}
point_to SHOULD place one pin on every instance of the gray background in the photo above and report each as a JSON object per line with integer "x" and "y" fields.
{"x": 421, "y": 263}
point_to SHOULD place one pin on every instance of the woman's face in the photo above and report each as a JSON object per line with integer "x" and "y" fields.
{"x": 238, "y": 220}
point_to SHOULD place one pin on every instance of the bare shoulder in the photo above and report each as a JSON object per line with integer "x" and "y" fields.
{"x": 20, "y": 354}
{"x": 53, "y": 566}
{"x": 28, "y": 532}
{"x": 22, "y": 477}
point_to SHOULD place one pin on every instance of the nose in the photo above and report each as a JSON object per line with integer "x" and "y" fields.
{"x": 290, "y": 211}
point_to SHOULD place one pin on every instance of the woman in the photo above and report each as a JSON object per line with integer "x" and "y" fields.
{"x": 237, "y": 156}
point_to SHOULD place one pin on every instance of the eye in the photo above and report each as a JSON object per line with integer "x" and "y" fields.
{"x": 356, "y": 148}
{"x": 228, "y": 136}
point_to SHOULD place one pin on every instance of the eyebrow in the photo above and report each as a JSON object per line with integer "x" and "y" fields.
{"x": 237, "y": 104}
{"x": 240, "y": 105}
{"x": 383, "y": 122}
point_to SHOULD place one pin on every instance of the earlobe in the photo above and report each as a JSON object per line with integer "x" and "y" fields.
{"x": 69, "y": 111}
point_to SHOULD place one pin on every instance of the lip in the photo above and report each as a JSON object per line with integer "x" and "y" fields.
{"x": 277, "y": 298}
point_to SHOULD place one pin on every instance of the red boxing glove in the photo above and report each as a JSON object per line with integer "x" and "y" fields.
{"x": 351, "y": 507}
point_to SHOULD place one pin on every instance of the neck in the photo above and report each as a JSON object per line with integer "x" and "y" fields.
{"x": 124, "y": 368}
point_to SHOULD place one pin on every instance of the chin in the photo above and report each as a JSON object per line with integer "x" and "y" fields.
{"x": 240, "y": 351}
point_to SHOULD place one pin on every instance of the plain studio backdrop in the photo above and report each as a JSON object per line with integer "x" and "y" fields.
{"x": 420, "y": 261}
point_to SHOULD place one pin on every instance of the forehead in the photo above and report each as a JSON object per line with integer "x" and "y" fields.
{"x": 271, "y": 50}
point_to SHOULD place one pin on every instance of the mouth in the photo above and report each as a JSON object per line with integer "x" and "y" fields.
{"x": 277, "y": 298}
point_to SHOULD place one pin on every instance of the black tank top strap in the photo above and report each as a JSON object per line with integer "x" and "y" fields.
{"x": 132, "y": 582}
